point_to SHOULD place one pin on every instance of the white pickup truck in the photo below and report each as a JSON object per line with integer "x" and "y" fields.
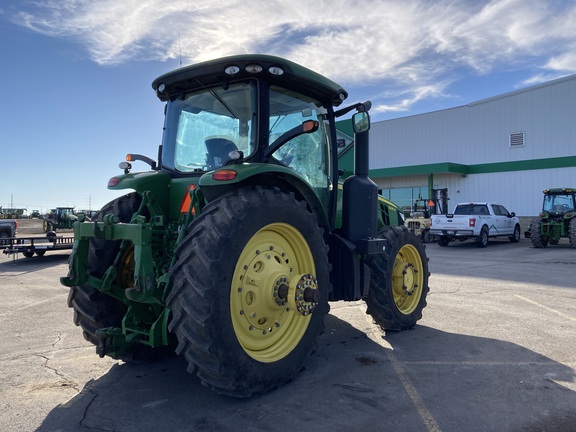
{"x": 477, "y": 220}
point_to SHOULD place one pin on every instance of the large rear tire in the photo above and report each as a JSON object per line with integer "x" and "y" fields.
{"x": 572, "y": 232}
{"x": 235, "y": 329}
{"x": 398, "y": 280}
{"x": 93, "y": 309}
{"x": 538, "y": 240}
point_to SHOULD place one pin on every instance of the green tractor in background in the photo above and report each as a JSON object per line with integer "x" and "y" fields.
{"x": 232, "y": 245}
{"x": 556, "y": 220}
{"x": 59, "y": 218}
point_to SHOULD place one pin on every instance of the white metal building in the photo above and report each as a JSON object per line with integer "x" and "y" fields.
{"x": 507, "y": 149}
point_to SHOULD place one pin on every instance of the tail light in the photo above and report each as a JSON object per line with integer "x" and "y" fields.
{"x": 472, "y": 222}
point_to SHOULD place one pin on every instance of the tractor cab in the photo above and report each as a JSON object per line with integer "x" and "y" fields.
{"x": 252, "y": 119}
{"x": 559, "y": 202}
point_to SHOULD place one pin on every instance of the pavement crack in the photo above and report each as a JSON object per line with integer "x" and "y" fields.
{"x": 66, "y": 382}
{"x": 83, "y": 420}
{"x": 58, "y": 339}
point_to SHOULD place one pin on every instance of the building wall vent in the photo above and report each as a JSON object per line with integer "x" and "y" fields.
{"x": 517, "y": 139}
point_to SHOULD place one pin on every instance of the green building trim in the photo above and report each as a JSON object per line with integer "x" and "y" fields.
{"x": 456, "y": 168}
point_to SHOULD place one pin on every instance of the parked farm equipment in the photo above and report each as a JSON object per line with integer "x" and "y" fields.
{"x": 556, "y": 220}
{"x": 235, "y": 241}
{"x": 59, "y": 218}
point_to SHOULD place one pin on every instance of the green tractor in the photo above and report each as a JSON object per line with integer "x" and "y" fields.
{"x": 232, "y": 245}
{"x": 556, "y": 220}
{"x": 59, "y": 218}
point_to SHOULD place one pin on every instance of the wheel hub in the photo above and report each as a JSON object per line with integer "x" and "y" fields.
{"x": 269, "y": 291}
{"x": 273, "y": 292}
{"x": 408, "y": 278}
{"x": 302, "y": 294}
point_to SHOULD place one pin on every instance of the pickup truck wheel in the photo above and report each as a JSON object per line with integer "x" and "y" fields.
{"x": 93, "y": 309}
{"x": 538, "y": 240}
{"x": 572, "y": 232}
{"x": 249, "y": 291}
{"x": 426, "y": 236}
{"x": 482, "y": 240}
{"x": 516, "y": 236}
{"x": 399, "y": 280}
{"x": 443, "y": 241}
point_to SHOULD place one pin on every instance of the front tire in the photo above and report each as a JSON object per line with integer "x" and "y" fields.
{"x": 399, "y": 280}
{"x": 515, "y": 238}
{"x": 234, "y": 329}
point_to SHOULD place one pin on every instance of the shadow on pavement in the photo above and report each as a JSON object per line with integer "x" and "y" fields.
{"x": 350, "y": 384}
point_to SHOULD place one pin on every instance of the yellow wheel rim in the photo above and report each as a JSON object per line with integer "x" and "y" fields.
{"x": 267, "y": 327}
{"x": 407, "y": 279}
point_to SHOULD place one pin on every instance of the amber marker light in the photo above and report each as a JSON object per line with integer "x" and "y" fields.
{"x": 224, "y": 175}
{"x": 310, "y": 126}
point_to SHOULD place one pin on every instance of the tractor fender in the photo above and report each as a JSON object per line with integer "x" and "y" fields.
{"x": 216, "y": 183}
{"x": 156, "y": 182}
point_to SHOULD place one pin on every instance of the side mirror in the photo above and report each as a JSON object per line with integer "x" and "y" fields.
{"x": 361, "y": 122}
{"x": 512, "y": 214}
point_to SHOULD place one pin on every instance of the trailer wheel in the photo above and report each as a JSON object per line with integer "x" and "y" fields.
{"x": 538, "y": 240}
{"x": 249, "y": 291}
{"x": 28, "y": 254}
{"x": 398, "y": 280}
{"x": 93, "y": 309}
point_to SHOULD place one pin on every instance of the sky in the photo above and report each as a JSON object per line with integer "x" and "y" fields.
{"x": 76, "y": 74}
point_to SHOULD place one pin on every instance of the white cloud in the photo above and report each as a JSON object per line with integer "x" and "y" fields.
{"x": 413, "y": 44}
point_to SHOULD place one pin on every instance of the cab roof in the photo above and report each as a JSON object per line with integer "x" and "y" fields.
{"x": 213, "y": 72}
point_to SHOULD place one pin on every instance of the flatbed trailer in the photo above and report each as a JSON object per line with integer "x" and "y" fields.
{"x": 28, "y": 246}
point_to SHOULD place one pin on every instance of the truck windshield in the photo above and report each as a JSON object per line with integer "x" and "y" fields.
{"x": 203, "y": 127}
{"x": 558, "y": 203}
{"x": 306, "y": 153}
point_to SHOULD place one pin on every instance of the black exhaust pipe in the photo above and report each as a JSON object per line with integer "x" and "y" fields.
{"x": 360, "y": 194}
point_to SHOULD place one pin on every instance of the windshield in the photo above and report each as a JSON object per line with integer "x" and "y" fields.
{"x": 204, "y": 126}
{"x": 471, "y": 209}
{"x": 558, "y": 203}
{"x": 306, "y": 153}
